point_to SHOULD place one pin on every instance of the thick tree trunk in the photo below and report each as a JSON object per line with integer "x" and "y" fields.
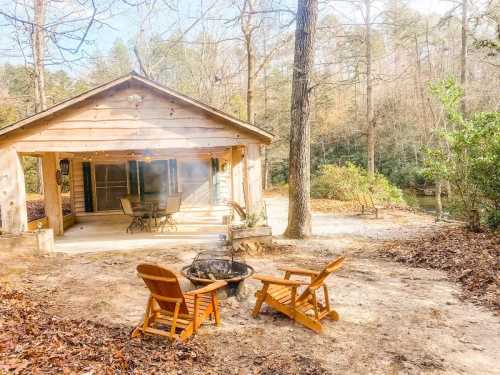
{"x": 463, "y": 57}
{"x": 299, "y": 214}
{"x": 370, "y": 125}
{"x": 38, "y": 45}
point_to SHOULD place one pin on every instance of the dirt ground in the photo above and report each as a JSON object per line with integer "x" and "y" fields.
{"x": 394, "y": 319}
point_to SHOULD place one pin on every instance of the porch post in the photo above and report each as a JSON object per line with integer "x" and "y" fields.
{"x": 52, "y": 192}
{"x": 253, "y": 177}
{"x": 12, "y": 192}
{"x": 237, "y": 170}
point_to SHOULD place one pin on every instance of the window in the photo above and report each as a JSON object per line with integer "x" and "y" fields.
{"x": 110, "y": 185}
{"x": 155, "y": 177}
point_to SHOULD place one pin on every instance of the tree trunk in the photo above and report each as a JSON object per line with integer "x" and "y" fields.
{"x": 38, "y": 45}
{"x": 370, "y": 125}
{"x": 463, "y": 57}
{"x": 266, "y": 115}
{"x": 299, "y": 214}
{"x": 475, "y": 221}
{"x": 265, "y": 170}
{"x": 247, "y": 28}
{"x": 250, "y": 79}
{"x": 439, "y": 203}
{"x": 419, "y": 84}
{"x": 448, "y": 189}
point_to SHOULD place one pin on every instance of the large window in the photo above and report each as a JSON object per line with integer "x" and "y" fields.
{"x": 104, "y": 183}
{"x": 194, "y": 175}
{"x": 110, "y": 185}
{"x": 155, "y": 177}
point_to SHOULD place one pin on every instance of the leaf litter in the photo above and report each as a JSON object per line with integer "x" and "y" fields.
{"x": 472, "y": 259}
{"x": 32, "y": 341}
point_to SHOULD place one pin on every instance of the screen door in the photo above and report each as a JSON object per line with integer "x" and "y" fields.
{"x": 110, "y": 185}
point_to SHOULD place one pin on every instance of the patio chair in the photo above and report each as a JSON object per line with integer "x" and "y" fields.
{"x": 137, "y": 215}
{"x": 182, "y": 313}
{"x": 173, "y": 205}
{"x": 243, "y": 214}
{"x": 238, "y": 209}
{"x": 306, "y": 309}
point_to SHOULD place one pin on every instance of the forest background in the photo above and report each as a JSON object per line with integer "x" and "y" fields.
{"x": 376, "y": 61}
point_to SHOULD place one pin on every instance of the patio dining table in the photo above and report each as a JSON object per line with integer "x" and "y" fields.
{"x": 153, "y": 205}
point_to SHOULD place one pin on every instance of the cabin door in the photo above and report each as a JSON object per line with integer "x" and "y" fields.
{"x": 111, "y": 184}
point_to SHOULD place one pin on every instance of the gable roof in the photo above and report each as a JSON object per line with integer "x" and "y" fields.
{"x": 134, "y": 77}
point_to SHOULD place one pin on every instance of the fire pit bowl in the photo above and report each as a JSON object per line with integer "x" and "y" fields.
{"x": 209, "y": 267}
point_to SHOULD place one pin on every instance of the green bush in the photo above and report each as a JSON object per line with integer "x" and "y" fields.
{"x": 351, "y": 183}
{"x": 493, "y": 219}
{"x": 31, "y": 175}
{"x": 472, "y": 158}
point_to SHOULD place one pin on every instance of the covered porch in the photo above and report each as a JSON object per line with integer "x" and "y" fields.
{"x": 94, "y": 235}
{"x": 136, "y": 139}
{"x": 206, "y": 178}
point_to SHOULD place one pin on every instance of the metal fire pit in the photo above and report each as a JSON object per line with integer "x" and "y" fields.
{"x": 209, "y": 266}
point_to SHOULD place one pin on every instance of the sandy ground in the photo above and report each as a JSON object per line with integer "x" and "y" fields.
{"x": 394, "y": 319}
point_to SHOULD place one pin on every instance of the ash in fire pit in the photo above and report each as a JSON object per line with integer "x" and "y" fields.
{"x": 209, "y": 266}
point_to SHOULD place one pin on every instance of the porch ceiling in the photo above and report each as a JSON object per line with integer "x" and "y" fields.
{"x": 161, "y": 154}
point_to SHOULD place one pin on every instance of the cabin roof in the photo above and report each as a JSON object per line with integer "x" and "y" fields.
{"x": 134, "y": 77}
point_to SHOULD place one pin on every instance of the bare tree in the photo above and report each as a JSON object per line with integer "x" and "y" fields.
{"x": 252, "y": 22}
{"x": 38, "y": 46}
{"x": 370, "y": 123}
{"x": 463, "y": 56}
{"x": 299, "y": 212}
{"x": 248, "y": 28}
{"x": 146, "y": 51}
{"x": 45, "y": 33}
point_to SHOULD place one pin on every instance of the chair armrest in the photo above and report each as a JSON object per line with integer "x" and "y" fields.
{"x": 275, "y": 280}
{"x": 299, "y": 271}
{"x": 207, "y": 289}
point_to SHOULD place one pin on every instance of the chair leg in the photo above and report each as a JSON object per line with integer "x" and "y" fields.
{"x": 260, "y": 300}
{"x": 172, "y": 223}
{"x": 215, "y": 306}
{"x": 145, "y": 322}
{"x": 136, "y": 332}
{"x": 140, "y": 223}
{"x": 131, "y": 226}
{"x": 174, "y": 320}
{"x": 333, "y": 315}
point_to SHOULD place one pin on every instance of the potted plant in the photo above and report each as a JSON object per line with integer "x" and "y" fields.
{"x": 254, "y": 228}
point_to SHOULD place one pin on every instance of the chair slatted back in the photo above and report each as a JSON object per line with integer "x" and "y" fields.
{"x": 319, "y": 280}
{"x": 126, "y": 206}
{"x": 239, "y": 210}
{"x": 163, "y": 283}
{"x": 133, "y": 198}
{"x": 173, "y": 203}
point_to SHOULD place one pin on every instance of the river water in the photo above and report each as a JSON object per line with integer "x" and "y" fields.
{"x": 426, "y": 203}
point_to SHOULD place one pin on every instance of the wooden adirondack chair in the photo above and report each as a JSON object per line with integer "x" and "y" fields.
{"x": 306, "y": 309}
{"x": 169, "y": 306}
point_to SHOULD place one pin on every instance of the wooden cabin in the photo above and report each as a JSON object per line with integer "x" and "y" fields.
{"x": 130, "y": 136}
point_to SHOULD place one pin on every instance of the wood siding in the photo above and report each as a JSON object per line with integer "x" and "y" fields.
{"x": 133, "y": 118}
{"x": 77, "y": 181}
{"x": 197, "y": 197}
